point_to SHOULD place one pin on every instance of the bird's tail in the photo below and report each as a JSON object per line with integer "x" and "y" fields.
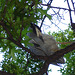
{"x": 37, "y": 31}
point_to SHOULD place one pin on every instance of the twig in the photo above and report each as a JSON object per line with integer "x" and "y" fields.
{"x": 3, "y": 38}
{"x": 5, "y": 28}
{"x": 4, "y": 11}
{"x": 57, "y": 26}
{"x": 42, "y": 21}
{"x": 49, "y": 3}
{"x": 20, "y": 38}
{"x": 57, "y": 7}
{"x": 73, "y": 6}
{"x": 64, "y": 43}
{"x": 69, "y": 11}
{"x": 72, "y": 3}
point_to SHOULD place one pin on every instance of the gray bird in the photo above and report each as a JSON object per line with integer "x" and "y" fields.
{"x": 43, "y": 44}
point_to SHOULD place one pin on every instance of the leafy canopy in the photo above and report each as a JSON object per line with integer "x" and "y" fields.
{"x": 15, "y": 19}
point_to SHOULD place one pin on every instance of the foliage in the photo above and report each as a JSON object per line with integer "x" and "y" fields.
{"x": 23, "y": 65}
{"x": 16, "y": 16}
{"x": 70, "y": 64}
{"x": 66, "y": 36}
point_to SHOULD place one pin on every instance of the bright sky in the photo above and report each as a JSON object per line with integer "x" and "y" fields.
{"x": 64, "y": 22}
{"x": 1, "y": 58}
{"x": 54, "y": 70}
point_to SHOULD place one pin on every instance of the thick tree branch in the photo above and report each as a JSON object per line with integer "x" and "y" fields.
{"x": 55, "y": 57}
{"x": 72, "y": 24}
{"x": 58, "y": 54}
{"x": 61, "y": 53}
{"x": 43, "y": 69}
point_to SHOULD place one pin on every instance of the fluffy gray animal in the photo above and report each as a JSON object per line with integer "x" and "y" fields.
{"x": 43, "y": 44}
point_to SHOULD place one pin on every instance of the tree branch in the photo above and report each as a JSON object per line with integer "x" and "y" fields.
{"x": 61, "y": 53}
{"x": 14, "y": 41}
{"x": 57, "y": 7}
{"x": 64, "y": 43}
{"x": 42, "y": 21}
{"x": 5, "y": 28}
{"x": 43, "y": 69}
{"x": 3, "y": 38}
{"x": 5, "y": 73}
{"x": 50, "y": 2}
{"x": 73, "y": 5}
{"x": 54, "y": 57}
{"x": 69, "y": 11}
{"x": 72, "y": 24}
{"x": 57, "y": 54}
{"x": 20, "y": 38}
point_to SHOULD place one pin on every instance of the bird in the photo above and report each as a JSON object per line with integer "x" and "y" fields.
{"x": 43, "y": 44}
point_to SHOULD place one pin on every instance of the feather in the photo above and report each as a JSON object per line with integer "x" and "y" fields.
{"x": 37, "y": 31}
{"x": 43, "y": 44}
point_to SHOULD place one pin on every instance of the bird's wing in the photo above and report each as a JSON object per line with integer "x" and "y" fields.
{"x": 37, "y": 47}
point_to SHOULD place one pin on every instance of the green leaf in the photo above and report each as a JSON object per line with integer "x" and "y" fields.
{"x": 44, "y": 12}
